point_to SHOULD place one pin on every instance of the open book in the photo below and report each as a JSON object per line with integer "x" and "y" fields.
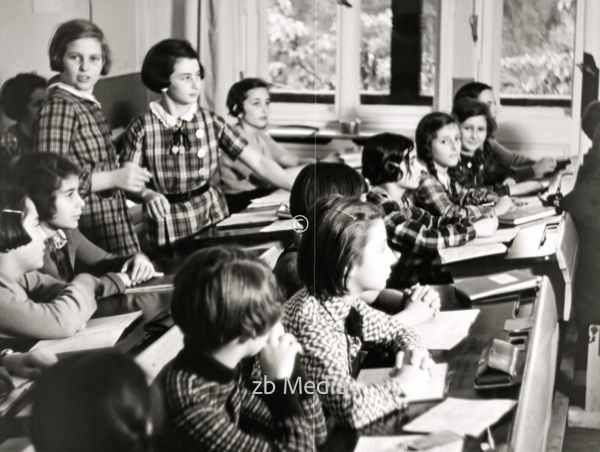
{"x": 97, "y": 333}
{"x": 434, "y": 389}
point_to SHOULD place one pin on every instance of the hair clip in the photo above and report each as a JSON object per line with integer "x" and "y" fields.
{"x": 20, "y": 212}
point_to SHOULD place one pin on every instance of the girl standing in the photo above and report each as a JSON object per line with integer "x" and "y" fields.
{"x": 72, "y": 124}
{"x": 180, "y": 143}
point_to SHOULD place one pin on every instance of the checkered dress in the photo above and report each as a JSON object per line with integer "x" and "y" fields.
{"x": 418, "y": 235}
{"x": 75, "y": 127}
{"x": 329, "y": 352}
{"x": 432, "y": 196}
{"x": 212, "y": 408}
{"x": 148, "y": 142}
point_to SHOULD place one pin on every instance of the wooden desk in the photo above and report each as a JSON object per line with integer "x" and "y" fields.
{"x": 527, "y": 428}
{"x": 546, "y": 247}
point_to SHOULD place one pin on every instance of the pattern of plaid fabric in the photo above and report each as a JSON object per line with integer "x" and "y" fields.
{"x": 432, "y": 196}
{"x": 215, "y": 416}
{"x": 76, "y": 128}
{"x": 329, "y": 351}
{"x": 148, "y": 142}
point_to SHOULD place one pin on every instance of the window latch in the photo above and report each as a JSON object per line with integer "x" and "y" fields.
{"x": 473, "y": 19}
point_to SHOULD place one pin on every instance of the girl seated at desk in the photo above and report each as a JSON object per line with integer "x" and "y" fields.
{"x": 322, "y": 180}
{"x": 32, "y": 304}
{"x": 248, "y": 100}
{"x": 181, "y": 144}
{"x": 52, "y": 183}
{"x": 479, "y": 165}
{"x": 438, "y": 141}
{"x": 522, "y": 168}
{"x": 344, "y": 253}
{"x": 389, "y": 163}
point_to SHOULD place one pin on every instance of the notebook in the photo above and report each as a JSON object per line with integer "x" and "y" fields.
{"x": 434, "y": 390}
{"x": 447, "y": 329}
{"x": 479, "y": 288}
{"x": 526, "y": 214}
{"x": 467, "y": 252}
{"x": 248, "y": 219}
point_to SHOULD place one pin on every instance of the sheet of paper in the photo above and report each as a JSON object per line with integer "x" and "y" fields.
{"x": 271, "y": 200}
{"x": 466, "y": 252}
{"x": 447, "y": 328}
{"x": 248, "y": 218}
{"x": 399, "y": 443}
{"x": 434, "y": 389}
{"x": 97, "y": 333}
{"x": 504, "y": 235}
{"x": 281, "y": 225}
{"x": 461, "y": 416}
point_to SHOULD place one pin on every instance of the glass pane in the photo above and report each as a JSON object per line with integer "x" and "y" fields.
{"x": 398, "y": 37}
{"x": 538, "y": 40}
{"x": 302, "y": 46}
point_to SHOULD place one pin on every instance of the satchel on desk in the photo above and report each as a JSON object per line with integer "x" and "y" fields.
{"x": 500, "y": 365}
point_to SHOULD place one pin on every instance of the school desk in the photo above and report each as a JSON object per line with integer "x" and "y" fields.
{"x": 532, "y": 425}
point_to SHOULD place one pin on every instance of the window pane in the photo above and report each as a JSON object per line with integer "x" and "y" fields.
{"x": 538, "y": 43}
{"x": 302, "y": 47}
{"x": 398, "y": 49}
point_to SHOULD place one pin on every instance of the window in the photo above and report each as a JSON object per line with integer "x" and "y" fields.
{"x": 397, "y": 54}
{"x": 398, "y": 47}
{"x": 538, "y": 43}
{"x": 302, "y": 50}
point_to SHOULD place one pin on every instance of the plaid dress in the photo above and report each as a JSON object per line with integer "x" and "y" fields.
{"x": 149, "y": 142}
{"x": 330, "y": 349}
{"x": 418, "y": 235}
{"x": 74, "y": 126}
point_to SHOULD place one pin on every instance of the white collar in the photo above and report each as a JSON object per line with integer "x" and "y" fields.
{"x": 444, "y": 178}
{"x": 76, "y": 92}
{"x": 169, "y": 120}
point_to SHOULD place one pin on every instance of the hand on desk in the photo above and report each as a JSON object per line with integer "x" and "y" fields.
{"x": 29, "y": 364}
{"x": 503, "y": 205}
{"x": 139, "y": 269}
{"x": 485, "y": 227}
{"x": 413, "y": 367}
{"x": 423, "y": 304}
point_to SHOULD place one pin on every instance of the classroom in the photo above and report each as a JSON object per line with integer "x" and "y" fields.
{"x": 316, "y": 225}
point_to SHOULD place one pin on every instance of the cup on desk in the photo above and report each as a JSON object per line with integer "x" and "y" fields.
{"x": 350, "y": 127}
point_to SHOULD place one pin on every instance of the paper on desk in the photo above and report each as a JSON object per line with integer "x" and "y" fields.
{"x": 97, "y": 333}
{"x": 466, "y": 252}
{"x": 462, "y": 416}
{"x": 434, "y": 389}
{"x": 271, "y": 200}
{"x": 446, "y": 329}
{"x": 281, "y": 225}
{"x": 504, "y": 235}
{"x": 248, "y": 218}
{"x": 399, "y": 443}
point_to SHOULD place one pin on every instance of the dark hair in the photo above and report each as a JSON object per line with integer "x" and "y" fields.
{"x": 222, "y": 293}
{"x": 12, "y": 213}
{"x": 238, "y": 91}
{"x": 161, "y": 58}
{"x": 323, "y": 179}
{"x": 382, "y": 155}
{"x": 467, "y": 108}
{"x": 16, "y": 92}
{"x": 471, "y": 90}
{"x": 71, "y": 31}
{"x": 335, "y": 240}
{"x": 427, "y": 130}
{"x": 97, "y": 401}
{"x": 41, "y": 174}
{"x": 590, "y": 119}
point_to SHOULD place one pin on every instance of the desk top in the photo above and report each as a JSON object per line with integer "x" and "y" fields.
{"x": 462, "y": 364}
